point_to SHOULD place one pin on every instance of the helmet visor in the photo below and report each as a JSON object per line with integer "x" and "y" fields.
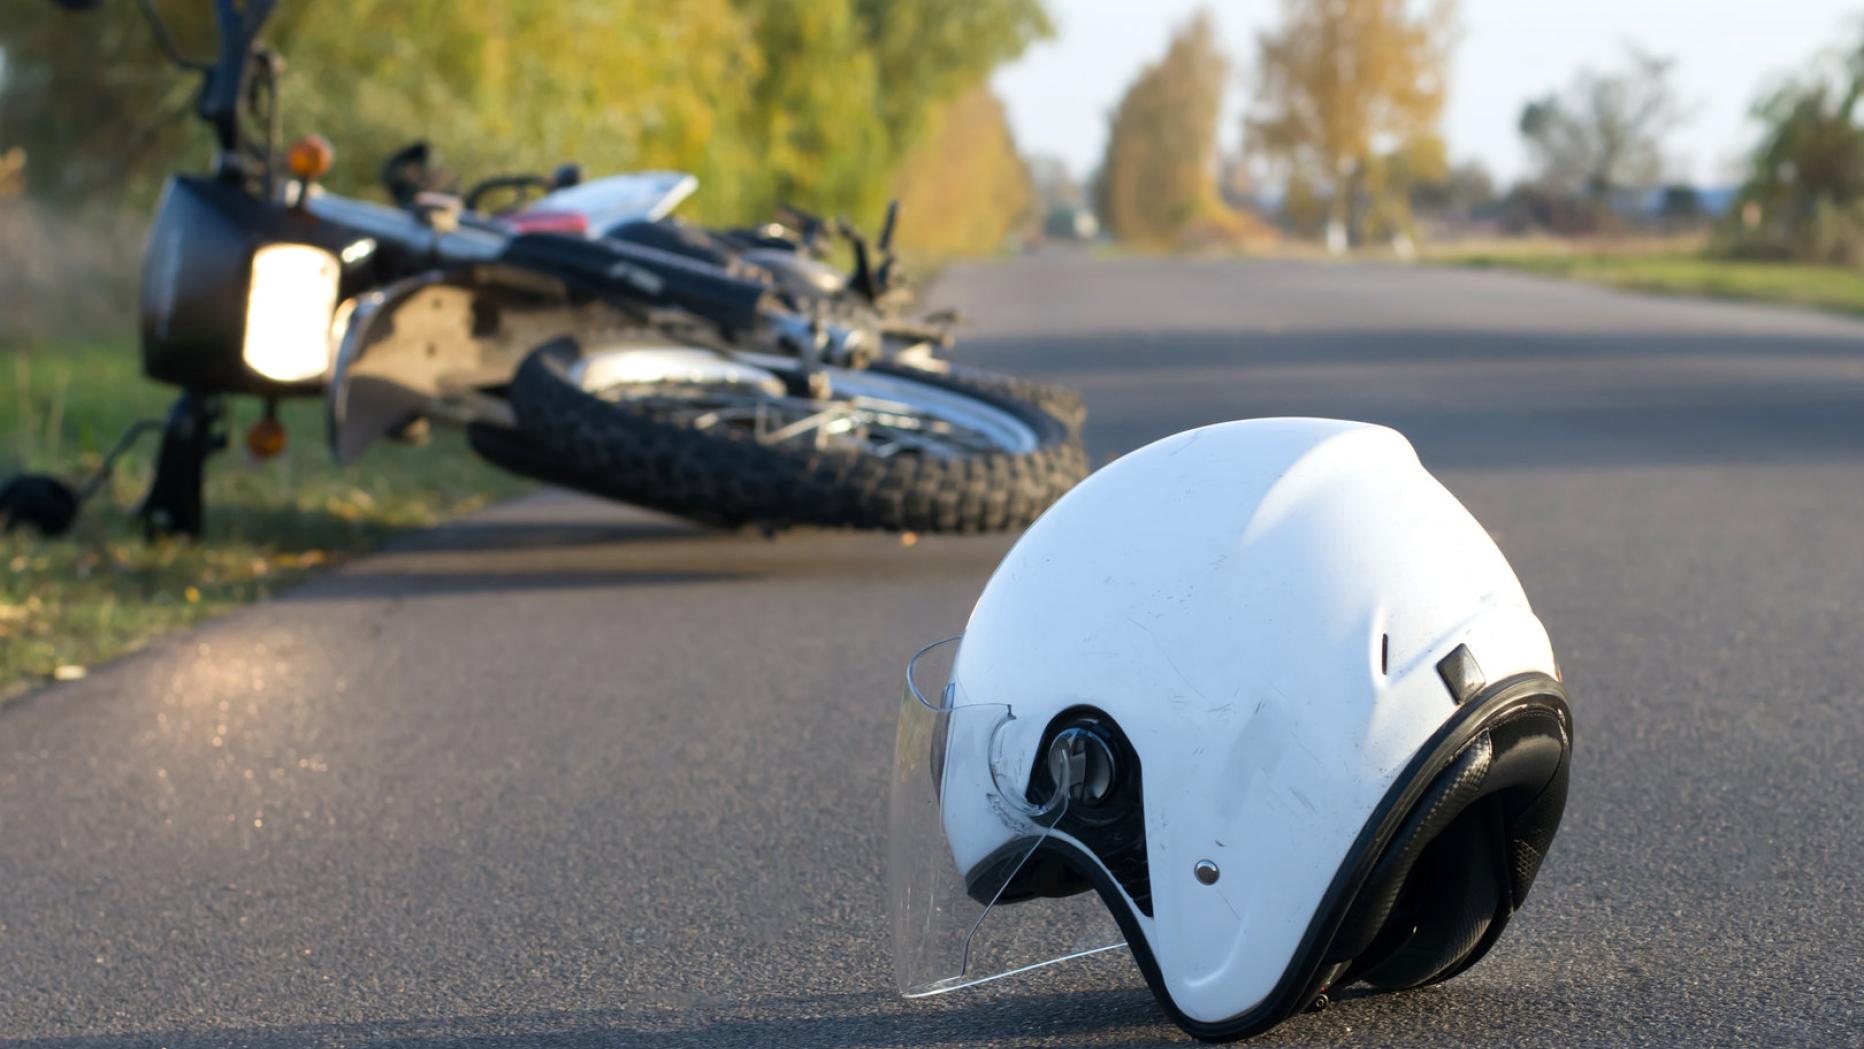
{"x": 963, "y": 830}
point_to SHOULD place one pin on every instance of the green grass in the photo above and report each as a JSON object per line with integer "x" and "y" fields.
{"x": 103, "y": 590}
{"x": 1826, "y": 287}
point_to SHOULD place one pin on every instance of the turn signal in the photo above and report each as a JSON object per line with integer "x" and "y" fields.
{"x": 265, "y": 438}
{"x": 310, "y": 157}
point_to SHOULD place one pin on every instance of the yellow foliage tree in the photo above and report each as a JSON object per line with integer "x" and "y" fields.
{"x": 1159, "y": 175}
{"x": 964, "y": 189}
{"x": 504, "y": 87}
{"x": 1349, "y": 96}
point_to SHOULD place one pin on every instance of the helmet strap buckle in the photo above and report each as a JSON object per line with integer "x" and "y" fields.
{"x": 1081, "y": 765}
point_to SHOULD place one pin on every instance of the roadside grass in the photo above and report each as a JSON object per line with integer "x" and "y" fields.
{"x": 103, "y": 590}
{"x": 1670, "y": 271}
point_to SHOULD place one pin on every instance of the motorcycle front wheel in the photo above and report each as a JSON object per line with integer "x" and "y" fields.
{"x": 884, "y": 447}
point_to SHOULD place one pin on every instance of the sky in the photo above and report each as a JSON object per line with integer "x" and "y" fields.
{"x": 1726, "y": 53}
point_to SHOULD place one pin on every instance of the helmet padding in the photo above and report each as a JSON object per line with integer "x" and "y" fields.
{"x": 1461, "y": 862}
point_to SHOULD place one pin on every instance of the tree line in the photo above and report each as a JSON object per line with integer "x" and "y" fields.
{"x": 1344, "y": 123}
{"x": 824, "y": 104}
{"x": 835, "y": 105}
{"x": 1346, "y": 100}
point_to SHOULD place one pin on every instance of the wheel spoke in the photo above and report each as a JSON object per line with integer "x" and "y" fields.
{"x": 873, "y": 426}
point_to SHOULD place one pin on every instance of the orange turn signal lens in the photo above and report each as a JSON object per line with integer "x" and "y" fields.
{"x": 310, "y": 157}
{"x": 265, "y": 439}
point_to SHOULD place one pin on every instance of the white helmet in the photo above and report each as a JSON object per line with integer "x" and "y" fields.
{"x": 1305, "y": 727}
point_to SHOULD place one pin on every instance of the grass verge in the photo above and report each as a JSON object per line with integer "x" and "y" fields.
{"x": 1680, "y": 273}
{"x": 103, "y": 590}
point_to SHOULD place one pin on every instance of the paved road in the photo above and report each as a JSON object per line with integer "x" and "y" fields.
{"x": 566, "y": 775}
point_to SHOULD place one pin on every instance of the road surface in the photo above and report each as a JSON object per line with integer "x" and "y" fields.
{"x": 565, "y": 774}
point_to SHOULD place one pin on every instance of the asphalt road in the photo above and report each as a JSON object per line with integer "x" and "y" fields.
{"x": 568, "y": 775}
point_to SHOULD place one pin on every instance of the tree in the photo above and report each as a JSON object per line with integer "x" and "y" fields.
{"x": 496, "y": 86}
{"x": 812, "y": 124}
{"x": 928, "y": 52}
{"x": 1805, "y": 187}
{"x": 1461, "y": 191}
{"x": 1349, "y": 95}
{"x": 1606, "y": 132}
{"x": 964, "y": 189}
{"x": 1159, "y": 173}
{"x": 848, "y": 87}
{"x": 815, "y": 101}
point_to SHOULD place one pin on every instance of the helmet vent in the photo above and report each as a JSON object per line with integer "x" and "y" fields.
{"x": 1385, "y": 654}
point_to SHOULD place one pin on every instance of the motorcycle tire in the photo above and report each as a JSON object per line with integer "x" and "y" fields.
{"x": 1058, "y": 401}
{"x": 641, "y": 451}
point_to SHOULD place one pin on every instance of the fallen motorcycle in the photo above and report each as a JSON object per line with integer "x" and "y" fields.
{"x": 714, "y": 402}
{"x": 570, "y": 355}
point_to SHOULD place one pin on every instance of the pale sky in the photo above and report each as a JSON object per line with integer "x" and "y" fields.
{"x": 1726, "y": 52}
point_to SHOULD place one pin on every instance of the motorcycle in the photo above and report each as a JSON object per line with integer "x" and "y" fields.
{"x": 601, "y": 362}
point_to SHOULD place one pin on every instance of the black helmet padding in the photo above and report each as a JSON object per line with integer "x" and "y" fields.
{"x": 1463, "y": 859}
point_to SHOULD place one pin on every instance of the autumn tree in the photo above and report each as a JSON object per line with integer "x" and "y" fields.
{"x": 964, "y": 189}
{"x": 1462, "y": 190}
{"x": 1349, "y": 96}
{"x": 1159, "y": 172}
{"x": 1803, "y": 197}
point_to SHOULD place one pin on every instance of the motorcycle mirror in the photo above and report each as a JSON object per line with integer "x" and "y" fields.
{"x": 863, "y": 278}
{"x": 565, "y": 176}
{"x": 885, "y": 243}
{"x": 886, "y": 275}
{"x": 808, "y": 225}
{"x": 411, "y": 169}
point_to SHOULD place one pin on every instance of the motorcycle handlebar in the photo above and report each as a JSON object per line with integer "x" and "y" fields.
{"x": 224, "y": 76}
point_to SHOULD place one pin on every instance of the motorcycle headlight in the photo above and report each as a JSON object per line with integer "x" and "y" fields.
{"x": 289, "y": 307}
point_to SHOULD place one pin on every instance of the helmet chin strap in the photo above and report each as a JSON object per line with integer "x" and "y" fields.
{"x": 1081, "y": 766}
{"x": 1088, "y": 781}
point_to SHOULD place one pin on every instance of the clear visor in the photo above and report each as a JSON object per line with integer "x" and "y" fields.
{"x": 970, "y": 881}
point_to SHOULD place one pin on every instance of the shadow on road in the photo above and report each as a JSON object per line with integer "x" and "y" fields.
{"x": 1480, "y": 399}
{"x": 599, "y": 546}
{"x": 827, "y": 1021}
{"x": 1101, "y": 1017}
{"x": 488, "y": 535}
{"x": 390, "y": 584}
